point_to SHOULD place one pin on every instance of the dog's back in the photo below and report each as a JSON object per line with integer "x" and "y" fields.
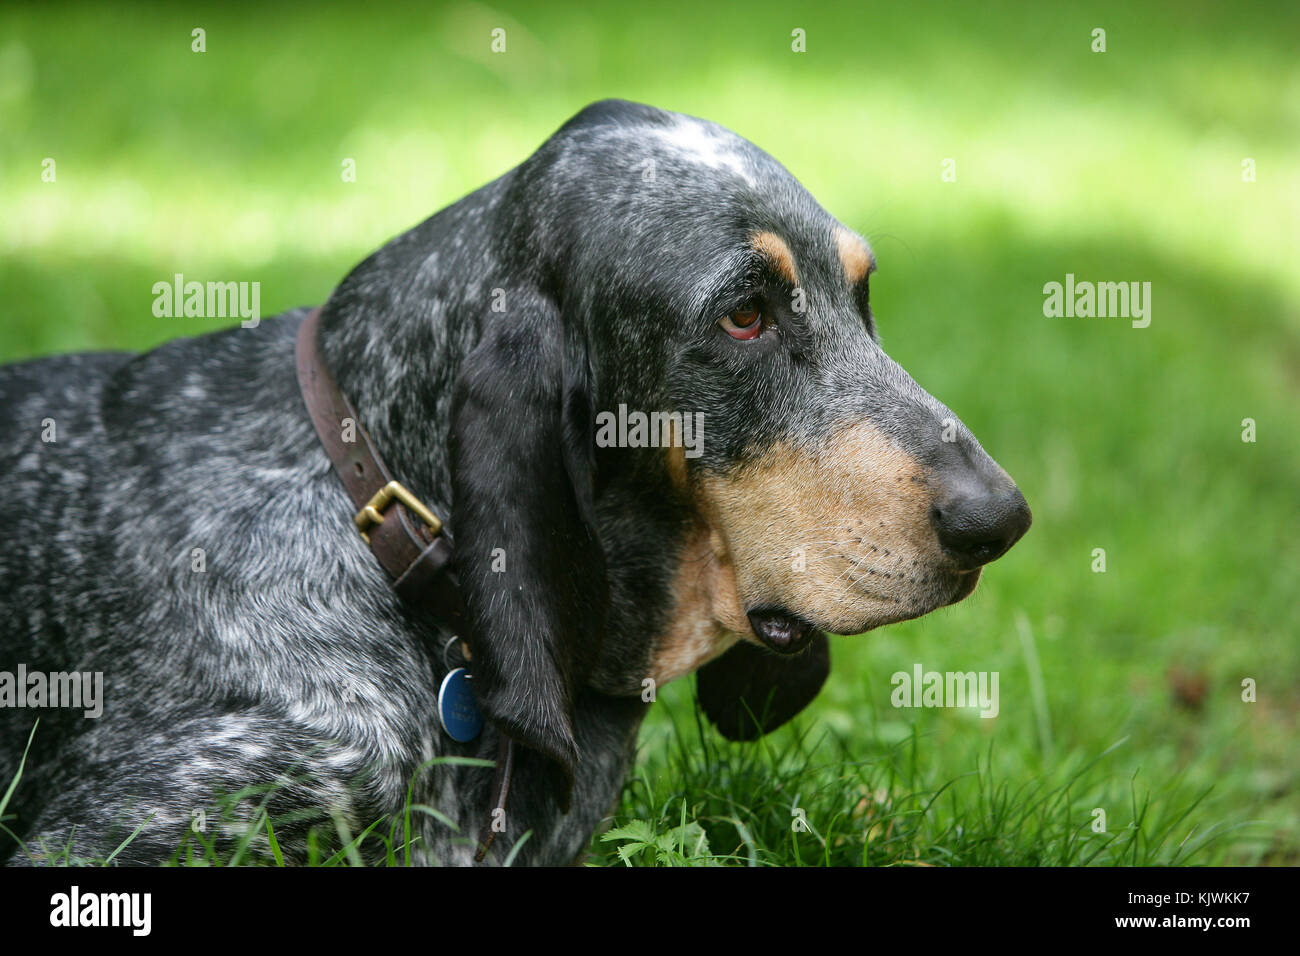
{"x": 167, "y": 537}
{"x": 181, "y": 535}
{"x": 51, "y": 437}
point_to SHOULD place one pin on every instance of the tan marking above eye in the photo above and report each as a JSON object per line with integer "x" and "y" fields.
{"x": 854, "y": 255}
{"x": 774, "y": 248}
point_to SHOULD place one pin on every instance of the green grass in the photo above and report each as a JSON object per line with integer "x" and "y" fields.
{"x": 788, "y": 800}
{"x": 864, "y": 801}
{"x": 1117, "y": 166}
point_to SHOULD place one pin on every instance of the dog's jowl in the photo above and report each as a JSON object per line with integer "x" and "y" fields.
{"x": 307, "y": 554}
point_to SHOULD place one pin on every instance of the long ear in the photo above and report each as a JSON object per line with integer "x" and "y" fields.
{"x": 750, "y": 691}
{"x": 531, "y": 569}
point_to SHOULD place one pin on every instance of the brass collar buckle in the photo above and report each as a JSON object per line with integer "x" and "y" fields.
{"x": 372, "y": 513}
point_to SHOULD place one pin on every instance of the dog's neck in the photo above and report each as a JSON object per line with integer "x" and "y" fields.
{"x": 394, "y": 334}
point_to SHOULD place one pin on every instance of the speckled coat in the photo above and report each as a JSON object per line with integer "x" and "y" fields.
{"x": 185, "y": 534}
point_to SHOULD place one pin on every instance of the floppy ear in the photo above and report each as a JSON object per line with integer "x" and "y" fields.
{"x": 750, "y": 691}
{"x": 530, "y": 565}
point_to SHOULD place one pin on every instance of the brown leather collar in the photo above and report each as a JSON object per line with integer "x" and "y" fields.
{"x": 408, "y": 540}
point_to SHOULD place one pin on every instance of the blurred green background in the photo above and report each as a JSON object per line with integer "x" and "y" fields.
{"x": 1117, "y": 166}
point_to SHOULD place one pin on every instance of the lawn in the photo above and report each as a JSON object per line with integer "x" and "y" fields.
{"x": 985, "y": 150}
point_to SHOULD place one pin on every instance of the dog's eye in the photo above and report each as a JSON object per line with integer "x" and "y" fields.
{"x": 743, "y": 323}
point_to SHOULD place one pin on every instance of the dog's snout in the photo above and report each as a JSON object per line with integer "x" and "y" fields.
{"x": 977, "y": 525}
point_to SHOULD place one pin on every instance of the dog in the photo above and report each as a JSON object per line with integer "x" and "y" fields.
{"x": 179, "y": 527}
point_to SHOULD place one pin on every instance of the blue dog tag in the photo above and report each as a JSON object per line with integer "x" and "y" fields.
{"x": 457, "y": 709}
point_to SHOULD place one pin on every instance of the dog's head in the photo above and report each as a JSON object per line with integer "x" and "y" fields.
{"x": 668, "y": 266}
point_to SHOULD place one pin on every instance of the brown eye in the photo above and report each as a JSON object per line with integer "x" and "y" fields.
{"x": 743, "y": 323}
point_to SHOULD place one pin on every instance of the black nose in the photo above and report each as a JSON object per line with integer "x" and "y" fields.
{"x": 976, "y": 527}
{"x": 780, "y": 630}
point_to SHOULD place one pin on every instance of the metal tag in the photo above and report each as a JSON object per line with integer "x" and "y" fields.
{"x": 457, "y": 709}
